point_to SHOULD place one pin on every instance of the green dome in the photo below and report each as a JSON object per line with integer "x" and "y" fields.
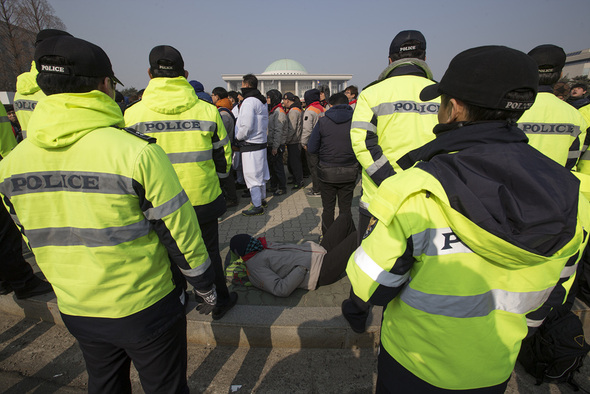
{"x": 285, "y": 67}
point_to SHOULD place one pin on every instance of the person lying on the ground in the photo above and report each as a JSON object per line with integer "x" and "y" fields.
{"x": 281, "y": 268}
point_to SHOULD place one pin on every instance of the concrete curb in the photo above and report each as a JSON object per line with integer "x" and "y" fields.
{"x": 243, "y": 326}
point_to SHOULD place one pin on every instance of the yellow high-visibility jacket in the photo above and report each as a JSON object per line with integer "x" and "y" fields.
{"x": 101, "y": 209}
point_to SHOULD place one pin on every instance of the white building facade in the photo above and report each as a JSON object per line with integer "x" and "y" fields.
{"x": 287, "y": 75}
{"x": 577, "y": 63}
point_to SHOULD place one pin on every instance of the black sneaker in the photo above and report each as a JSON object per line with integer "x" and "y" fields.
{"x": 35, "y": 287}
{"x": 299, "y": 186}
{"x": 253, "y": 211}
{"x": 311, "y": 193}
{"x": 221, "y": 310}
{"x": 355, "y": 318}
{"x": 5, "y": 288}
{"x": 264, "y": 203}
{"x": 231, "y": 203}
{"x": 280, "y": 192}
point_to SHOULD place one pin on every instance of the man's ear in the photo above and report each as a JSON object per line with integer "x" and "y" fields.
{"x": 186, "y": 74}
{"x": 106, "y": 87}
{"x": 457, "y": 111}
{"x": 150, "y": 73}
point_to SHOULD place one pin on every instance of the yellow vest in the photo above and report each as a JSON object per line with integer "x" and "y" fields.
{"x": 28, "y": 93}
{"x": 460, "y": 318}
{"x": 87, "y": 197}
{"x": 390, "y": 111}
{"x": 189, "y": 130}
{"x": 554, "y": 128}
{"x": 7, "y": 139}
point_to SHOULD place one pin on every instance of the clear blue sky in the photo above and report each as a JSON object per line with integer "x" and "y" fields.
{"x": 344, "y": 37}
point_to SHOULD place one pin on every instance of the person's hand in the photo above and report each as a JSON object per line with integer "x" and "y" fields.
{"x": 274, "y": 152}
{"x": 206, "y": 300}
{"x": 305, "y": 147}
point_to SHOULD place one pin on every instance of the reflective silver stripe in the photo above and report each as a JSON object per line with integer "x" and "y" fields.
{"x": 190, "y": 157}
{"x": 375, "y": 272}
{"x": 4, "y": 119}
{"x": 406, "y": 107}
{"x": 220, "y": 144}
{"x": 70, "y": 181}
{"x": 476, "y": 305}
{"x": 24, "y": 133}
{"x": 550, "y": 128}
{"x": 373, "y": 168}
{"x": 585, "y": 156}
{"x": 364, "y": 205}
{"x": 24, "y": 105}
{"x": 568, "y": 271}
{"x": 200, "y": 270}
{"x": 222, "y": 175}
{"x": 175, "y": 125}
{"x": 438, "y": 242}
{"x": 534, "y": 323}
{"x": 363, "y": 125}
{"x": 171, "y": 206}
{"x": 573, "y": 154}
{"x": 89, "y": 237}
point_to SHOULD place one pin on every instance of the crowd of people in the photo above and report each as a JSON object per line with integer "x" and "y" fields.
{"x": 472, "y": 223}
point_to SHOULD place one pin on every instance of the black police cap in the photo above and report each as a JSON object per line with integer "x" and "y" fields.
{"x": 80, "y": 58}
{"x": 407, "y": 40}
{"x": 165, "y": 57}
{"x": 483, "y": 76}
{"x": 549, "y": 58}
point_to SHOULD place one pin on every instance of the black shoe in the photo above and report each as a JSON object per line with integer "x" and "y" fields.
{"x": 356, "y": 320}
{"x": 5, "y": 288}
{"x": 35, "y": 287}
{"x": 231, "y": 203}
{"x": 264, "y": 203}
{"x": 280, "y": 192}
{"x": 299, "y": 186}
{"x": 311, "y": 193}
{"x": 221, "y": 310}
{"x": 253, "y": 211}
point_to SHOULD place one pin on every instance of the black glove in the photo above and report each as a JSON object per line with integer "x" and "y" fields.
{"x": 206, "y": 301}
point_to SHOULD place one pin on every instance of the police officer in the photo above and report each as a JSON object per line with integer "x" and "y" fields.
{"x": 28, "y": 93}
{"x": 479, "y": 233}
{"x": 192, "y": 134}
{"x": 553, "y": 127}
{"x": 105, "y": 215}
{"x": 389, "y": 120}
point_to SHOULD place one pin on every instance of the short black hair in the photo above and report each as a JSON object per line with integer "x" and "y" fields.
{"x": 325, "y": 89}
{"x": 52, "y": 83}
{"x": 337, "y": 99}
{"x": 219, "y": 92}
{"x": 476, "y": 113}
{"x": 159, "y": 73}
{"x": 250, "y": 80}
{"x": 353, "y": 90}
{"x": 234, "y": 95}
{"x": 415, "y": 54}
{"x": 549, "y": 78}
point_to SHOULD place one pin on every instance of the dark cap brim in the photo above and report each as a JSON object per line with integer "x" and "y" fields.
{"x": 430, "y": 92}
{"x": 115, "y": 79}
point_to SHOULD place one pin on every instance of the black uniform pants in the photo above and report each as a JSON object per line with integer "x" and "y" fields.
{"x": 161, "y": 363}
{"x": 294, "y": 152}
{"x": 330, "y": 192}
{"x": 13, "y": 267}
{"x": 277, "y": 169}
{"x": 210, "y": 234}
{"x": 312, "y": 163}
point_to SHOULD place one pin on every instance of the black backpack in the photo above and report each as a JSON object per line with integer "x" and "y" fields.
{"x": 556, "y": 350}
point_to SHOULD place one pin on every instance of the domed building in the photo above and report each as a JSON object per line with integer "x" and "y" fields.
{"x": 288, "y": 75}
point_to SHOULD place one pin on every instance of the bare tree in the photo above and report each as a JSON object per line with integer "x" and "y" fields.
{"x": 12, "y": 43}
{"x": 36, "y": 15}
